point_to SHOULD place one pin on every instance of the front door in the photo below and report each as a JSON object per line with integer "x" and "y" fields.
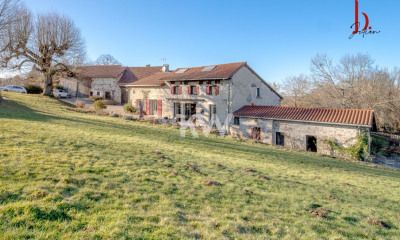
{"x": 255, "y": 133}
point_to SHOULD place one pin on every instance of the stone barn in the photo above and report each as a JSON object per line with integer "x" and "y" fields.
{"x": 307, "y": 129}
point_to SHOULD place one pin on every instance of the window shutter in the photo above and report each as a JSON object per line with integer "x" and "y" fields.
{"x": 208, "y": 90}
{"x": 159, "y": 108}
{"x": 180, "y": 89}
{"x": 172, "y": 89}
{"x": 189, "y": 89}
{"x": 197, "y": 90}
{"x": 216, "y": 90}
{"x": 147, "y": 107}
{"x": 137, "y": 102}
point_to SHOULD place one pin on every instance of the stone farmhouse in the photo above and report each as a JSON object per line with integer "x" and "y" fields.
{"x": 216, "y": 93}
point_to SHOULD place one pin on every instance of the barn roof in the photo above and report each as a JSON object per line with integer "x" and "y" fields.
{"x": 357, "y": 117}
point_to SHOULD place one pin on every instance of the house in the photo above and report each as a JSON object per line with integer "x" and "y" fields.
{"x": 210, "y": 93}
{"x": 103, "y": 80}
{"x": 307, "y": 129}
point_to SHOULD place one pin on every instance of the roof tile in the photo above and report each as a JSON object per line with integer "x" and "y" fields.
{"x": 341, "y": 116}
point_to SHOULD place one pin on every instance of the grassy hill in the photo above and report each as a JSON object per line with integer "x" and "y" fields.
{"x": 78, "y": 176}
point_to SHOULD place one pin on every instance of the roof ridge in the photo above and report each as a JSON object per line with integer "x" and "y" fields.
{"x": 305, "y": 108}
{"x": 212, "y": 65}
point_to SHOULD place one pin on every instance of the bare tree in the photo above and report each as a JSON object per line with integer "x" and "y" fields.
{"x": 107, "y": 59}
{"x": 50, "y": 42}
{"x": 8, "y": 10}
{"x": 295, "y": 88}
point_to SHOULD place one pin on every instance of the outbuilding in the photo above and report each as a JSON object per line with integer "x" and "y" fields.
{"x": 308, "y": 129}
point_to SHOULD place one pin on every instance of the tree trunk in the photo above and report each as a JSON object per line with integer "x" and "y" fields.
{"x": 48, "y": 85}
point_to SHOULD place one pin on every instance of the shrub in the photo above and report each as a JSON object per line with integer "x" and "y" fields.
{"x": 80, "y": 104}
{"x": 95, "y": 98}
{"x": 58, "y": 86}
{"x": 358, "y": 151}
{"x": 33, "y": 89}
{"x": 114, "y": 114}
{"x": 108, "y": 102}
{"x": 99, "y": 105}
{"x": 129, "y": 108}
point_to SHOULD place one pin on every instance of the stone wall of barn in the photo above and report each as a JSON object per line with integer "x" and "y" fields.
{"x": 103, "y": 85}
{"x": 295, "y": 133}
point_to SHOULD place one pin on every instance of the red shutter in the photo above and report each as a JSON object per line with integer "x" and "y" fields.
{"x": 159, "y": 108}
{"x": 208, "y": 90}
{"x": 137, "y": 102}
{"x": 216, "y": 90}
{"x": 180, "y": 89}
{"x": 197, "y": 90}
{"x": 189, "y": 89}
{"x": 172, "y": 89}
{"x": 147, "y": 107}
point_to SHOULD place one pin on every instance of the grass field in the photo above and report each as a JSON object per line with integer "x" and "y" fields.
{"x": 70, "y": 175}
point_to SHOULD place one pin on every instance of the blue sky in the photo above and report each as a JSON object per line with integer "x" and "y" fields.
{"x": 277, "y": 38}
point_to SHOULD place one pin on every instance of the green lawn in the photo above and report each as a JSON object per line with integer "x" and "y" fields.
{"x": 71, "y": 175}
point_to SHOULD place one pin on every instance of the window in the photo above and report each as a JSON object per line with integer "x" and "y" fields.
{"x": 208, "y": 68}
{"x": 213, "y": 113}
{"x": 181, "y": 70}
{"x": 193, "y": 90}
{"x": 311, "y": 143}
{"x": 258, "y": 92}
{"x": 212, "y": 90}
{"x": 236, "y": 121}
{"x": 91, "y": 93}
{"x": 279, "y": 139}
{"x": 153, "y": 107}
{"x": 174, "y": 89}
{"x": 98, "y": 93}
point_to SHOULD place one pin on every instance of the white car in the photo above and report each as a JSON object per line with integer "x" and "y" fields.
{"x": 59, "y": 93}
{"x": 13, "y": 88}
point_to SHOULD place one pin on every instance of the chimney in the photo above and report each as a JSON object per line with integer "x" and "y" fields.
{"x": 252, "y": 104}
{"x": 165, "y": 68}
{"x": 148, "y": 65}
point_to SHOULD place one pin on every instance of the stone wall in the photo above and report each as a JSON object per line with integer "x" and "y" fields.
{"x": 244, "y": 90}
{"x": 295, "y": 133}
{"x": 103, "y": 85}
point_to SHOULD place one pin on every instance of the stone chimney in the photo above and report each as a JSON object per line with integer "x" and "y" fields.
{"x": 165, "y": 68}
{"x": 148, "y": 65}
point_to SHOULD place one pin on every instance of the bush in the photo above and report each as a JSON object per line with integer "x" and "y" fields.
{"x": 80, "y": 104}
{"x": 358, "y": 151}
{"x": 58, "y": 86}
{"x": 33, "y": 89}
{"x": 99, "y": 105}
{"x": 108, "y": 102}
{"x": 114, "y": 115}
{"x": 95, "y": 98}
{"x": 129, "y": 108}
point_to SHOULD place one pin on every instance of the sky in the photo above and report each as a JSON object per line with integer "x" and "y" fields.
{"x": 277, "y": 38}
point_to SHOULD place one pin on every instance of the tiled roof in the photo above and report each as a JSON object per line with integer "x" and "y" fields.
{"x": 221, "y": 71}
{"x": 100, "y": 71}
{"x": 132, "y": 74}
{"x": 153, "y": 80}
{"x": 339, "y": 116}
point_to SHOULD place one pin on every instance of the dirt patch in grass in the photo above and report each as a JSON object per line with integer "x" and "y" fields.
{"x": 317, "y": 177}
{"x": 358, "y": 192}
{"x": 319, "y": 214}
{"x": 220, "y": 166}
{"x": 296, "y": 182}
{"x": 194, "y": 168}
{"x": 263, "y": 177}
{"x": 332, "y": 197}
{"x": 90, "y": 229}
{"x": 167, "y": 165}
{"x": 378, "y": 223}
{"x": 249, "y": 170}
{"x": 248, "y": 191}
{"x": 322, "y": 209}
{"x": 174, "y": 173}
{"x": 210, "y": 182}
{"x": 160, "y": 155}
